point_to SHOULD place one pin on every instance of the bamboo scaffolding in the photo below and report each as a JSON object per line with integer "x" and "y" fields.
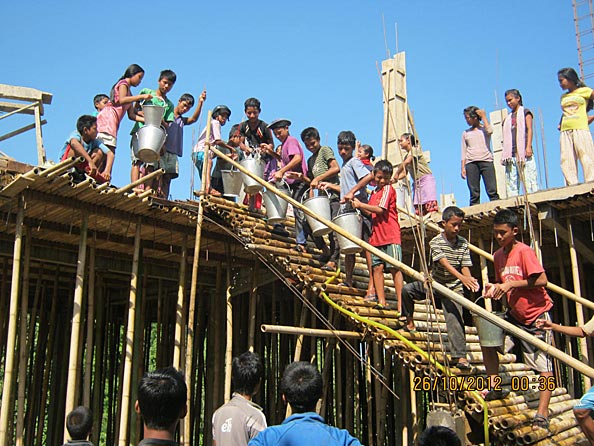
{"x": 315, "y": 332}
{"x": 180, "y": 308}
{"x": 90, "y": 330}
{"x": 73, "y": 361}
{"x": 144, "y": 179}
{"x": 12, "y": 326}
{"x": 23, "y": 344}
{"x": 229, "y": 327}
{"x": 129, "y": 345}
{"x": 579, "y": 310}
{"x": 193, "y": 287}
{"x": 253, "y": 297}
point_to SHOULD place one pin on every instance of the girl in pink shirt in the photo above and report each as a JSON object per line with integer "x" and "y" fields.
{"x": 120, "y": 102}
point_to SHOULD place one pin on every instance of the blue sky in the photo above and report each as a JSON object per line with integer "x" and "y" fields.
{"x": 311, "y": 62}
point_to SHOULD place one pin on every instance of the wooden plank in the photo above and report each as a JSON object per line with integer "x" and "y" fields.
{"x": 21, "y": 130}
{"x": 12, "y": 106}
{"x": 24, "y": 94}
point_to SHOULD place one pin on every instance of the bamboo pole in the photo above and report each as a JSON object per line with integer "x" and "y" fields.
{"x": 90, "y": 330}
{"x": 484, "y": 273}
{"x": 449, "y": 294}
{"x": 252, "y": 306}
{"x": 12, "y": 325}
{"x": 579, "y": 310}
{"x": 180, "y": 308}
{"x": 315, "y": 332}
{"x": 229, "y": 327}
{"x": 23, "y": 345}
{"x": 125, "y": 408}
{"x": 73, "y": 360}
{"x": 150, "y": 176}
{"x": 194, "y": 283}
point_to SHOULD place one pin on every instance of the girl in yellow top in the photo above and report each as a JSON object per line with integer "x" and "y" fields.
{"x": 576, "y": 139}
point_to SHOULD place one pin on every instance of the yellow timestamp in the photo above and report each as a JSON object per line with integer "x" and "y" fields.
{"x": 467, "y": 383}
{"x": 525, "y": 383}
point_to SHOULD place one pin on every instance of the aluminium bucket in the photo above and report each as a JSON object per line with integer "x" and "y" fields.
{"x": 350, "y": 222}
{"x": 232, "y": 182}
{"x": 256, "y": 167}
{"x": 153, "y": 114}
{"x": 150, "y": 142}
{"x": 490, "y": 335}
{"x": 276, "y": 207}
{"x": 320, "y": 206}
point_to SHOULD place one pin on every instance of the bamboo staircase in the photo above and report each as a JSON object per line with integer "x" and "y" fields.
{"x": 509, "y": 420}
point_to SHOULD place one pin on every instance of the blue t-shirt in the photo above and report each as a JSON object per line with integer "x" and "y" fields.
{"x": 307, "y": 428}
{"x": 175, "y": 136}
{"x": 351, "y": 173}
{"x": 89, "y": 146}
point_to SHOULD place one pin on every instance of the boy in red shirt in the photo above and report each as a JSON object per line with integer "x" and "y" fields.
{"x": 521, "y": 278}
{"x": 385, "y": 229}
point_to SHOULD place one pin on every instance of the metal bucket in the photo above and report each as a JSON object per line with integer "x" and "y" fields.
{"x": 490, "y": 335}
{"x": 232, "y": 182}
{"x": 320, "y": 206}
{"x": 150, "y": 142}
{"x": 256, "y": 167}
{"x": 350, "y": 222}
{"x": 153, "y": 114}
{"x": 276, "y": 207}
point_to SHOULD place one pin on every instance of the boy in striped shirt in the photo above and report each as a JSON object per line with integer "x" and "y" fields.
{"x": 450, "y": 257}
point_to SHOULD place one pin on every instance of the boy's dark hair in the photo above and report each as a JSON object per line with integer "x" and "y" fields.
{"x": 162, "y": 397}
{"x": 99, "y": 97}
{"x": 187, "y": 97}
{"x": 310, "y": 133}
{"x": 506, "y": 217}
{"x": 347, "y": 137}
{"x": 252, "y": 102}
{"x": 452, "y": 211}
{"x": 169, "y": 75}
{"x": 383, "y": 166}
{"x": 234, "y": 131}
{"x": 85, "y": 122}
{"x": 247, "y": 370}
{"x": 79, "y": 423}
{"x": 471, "y": 111}
{"x": 439, "y": 436}
{"x": 302, "y": 386}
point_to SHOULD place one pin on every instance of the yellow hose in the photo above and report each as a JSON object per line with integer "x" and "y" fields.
{"x": 411, "y": 345}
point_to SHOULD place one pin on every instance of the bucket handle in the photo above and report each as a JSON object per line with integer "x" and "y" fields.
{"x": 310, "y": 190}
{"x": 146, "y": 102}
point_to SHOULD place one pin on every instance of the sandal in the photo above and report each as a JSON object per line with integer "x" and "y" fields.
{"x": 463, "y": 365}
{"x": 540, "y": 421}
{"x": 330, "y": 266}
{"x": 409, "y": 330}
{"x": 495, "y": 394}
{"x": 370, "y": 298}
{"x": 299, "y": 248}
{"x": 346, "y": 284}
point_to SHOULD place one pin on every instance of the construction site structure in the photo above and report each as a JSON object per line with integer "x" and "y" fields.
{"x": 101, "y": 284}
{"x": 583, "y": 18}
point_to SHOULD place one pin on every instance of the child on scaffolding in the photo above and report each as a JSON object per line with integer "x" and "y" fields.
{"x": 385, "y": 230}
{"x": 220, "y": 116}
{"x": 415, "y": 164}
{"x": 517, "y": 156}
{"x": 450, "y": 266}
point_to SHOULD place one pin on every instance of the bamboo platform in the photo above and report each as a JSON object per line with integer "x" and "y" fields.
{"x": 510, "y": 419}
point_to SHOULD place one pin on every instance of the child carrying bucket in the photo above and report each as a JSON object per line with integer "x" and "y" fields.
{"x": 220, "y": 115}
{"x": 385, "y": 230}
{"x": 521, "y": 278}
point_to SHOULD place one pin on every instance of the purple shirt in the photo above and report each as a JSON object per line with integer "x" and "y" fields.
{"x": 289, "y": 149}
{"x": 175, "y": 136}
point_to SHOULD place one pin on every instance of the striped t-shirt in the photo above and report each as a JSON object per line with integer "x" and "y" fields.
{"x": 457, "y": 254}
